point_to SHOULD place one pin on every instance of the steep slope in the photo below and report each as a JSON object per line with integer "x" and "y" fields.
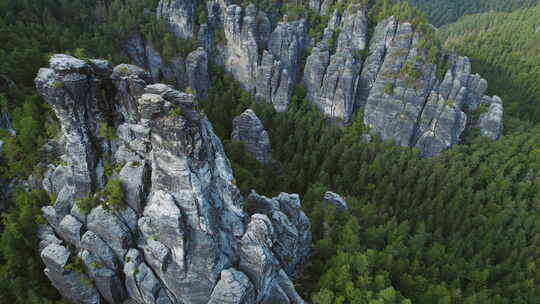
{"x": 505, "y": 49}
{"x": 166, "y": 225}
{"x": 441, "y": 12}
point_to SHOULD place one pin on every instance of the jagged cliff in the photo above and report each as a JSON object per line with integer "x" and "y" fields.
{"x": 382, "y": 72}
{"x": 146, "y": 207}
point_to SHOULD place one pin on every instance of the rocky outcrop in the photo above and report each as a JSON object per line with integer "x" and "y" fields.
{"x": 391, "y": 79}
{"x": 189, "y": 72}
{"x": 334, "y": 199}
{"x": 249, "y": 130}
{"x": 332, "y": 70}
{"x": 197, "y": 72}
{"x": 402, "y": 100}
{"x": 179, "y": 233}
{"x": 279, "y": 70}
{"x": 490, "y": 124}
{"x": 291, "y": 227}
{"x": 180, "y": 15}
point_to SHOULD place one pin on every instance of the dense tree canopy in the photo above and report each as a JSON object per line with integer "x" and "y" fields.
{"x": 504, "y": 49}
{"x": 441, "y": 12}
{"x": 459, "y": 228}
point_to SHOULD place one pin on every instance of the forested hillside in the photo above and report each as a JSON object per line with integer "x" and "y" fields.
{"x": 505, "y": 49}
{"x": 461, "y": 227}
{"x": 442, "y": 12}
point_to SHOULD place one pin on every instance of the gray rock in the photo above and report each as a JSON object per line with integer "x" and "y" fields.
{"x": 141, "y": 283}
{"x": 116, "y": 229}
{"x": 73, "y": 91}
{"x": 382, "y": 37}
{"x": 129, "y": 81}
{"x": 136, "y": 50}
{"x": 332, "y": 81}
{"x": 47, "y": 236}
{"x": 291, "y": 226}
{"x": 97, "y": 246}
{"x": 241, "y": 48}
{"x": 180, "y": 14}
{"x": 181, "y": 230}
{"x": 248, "y": 129}
{"x": 233, "y": 287}
{"x": 71, "y": 229}
{"x": 334, "y": 199}
{"x": 260, "y": 265}
{"x": 106, "y": 280}
{"x": 72, "y": 285}
{"x": 279, "y": 69}
{"x": 55, "y": 178}
{"x": 134, "y": 176}
{"x": 440, "y": 126}
{"x": 197, "y": 71}
{"x": 491, "y": 122}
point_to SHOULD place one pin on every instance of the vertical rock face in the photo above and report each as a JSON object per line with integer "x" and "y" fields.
{"x": 490, "y": 124}
{"x": 191, "y": 71}
{"x": 180, "y": 14}
{"x": 279, "y": 69}
{"x": 332, "y": 80}
{"x": 181, "y": 235}
{"x": 291, "y": 227}
{"x": 197, "y": 72}
{"x": 73, "y": 90}
{"x": 388, "y": 77}
{"x": 248, "y": 129}
{"x": 402, "y": 100}
{"x": 241, "y": 49}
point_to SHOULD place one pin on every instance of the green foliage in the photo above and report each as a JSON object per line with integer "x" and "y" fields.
{"x": 97, "y": 265}
{"x": 86, "y": 204}
{"x": 114, "y": 195}
{"x": 389, "y": 89}
{"x": 107, "y": 131}
{"x": 441, "y": 12}
{"x": 505, "y": 49}
{"x": 76, "y": 264}
{"x": 453, "y": 229}
{"x": 21, "y": 272}
{"x": 22, "y": 151}
{"x": 175, "y": 112}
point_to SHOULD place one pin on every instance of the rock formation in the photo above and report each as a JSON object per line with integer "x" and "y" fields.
{"x": 334, "y": 199}
{"x": 249, "y": 130}
{"x": 180, "y": 14}
{"x": 191, "y": 71}
{"x": 389, "y": 78}
{"x": 179, "y": 233}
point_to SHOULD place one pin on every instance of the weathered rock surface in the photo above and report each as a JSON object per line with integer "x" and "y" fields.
{"x": 402, "y": 100}
{"x": 197, "y": 72}
{"x": 332, "y": 71}
{"x": 191, "y": 71}
{"x": 182, "y": 235}
{"x": 389, "y": 78}
{"x": 180, "y": 15}
{"x": 291, "y": 227}
{"x": 491, "y": 121}
{"x": 249, "y": 130}
{"x": 334, "y": 199}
